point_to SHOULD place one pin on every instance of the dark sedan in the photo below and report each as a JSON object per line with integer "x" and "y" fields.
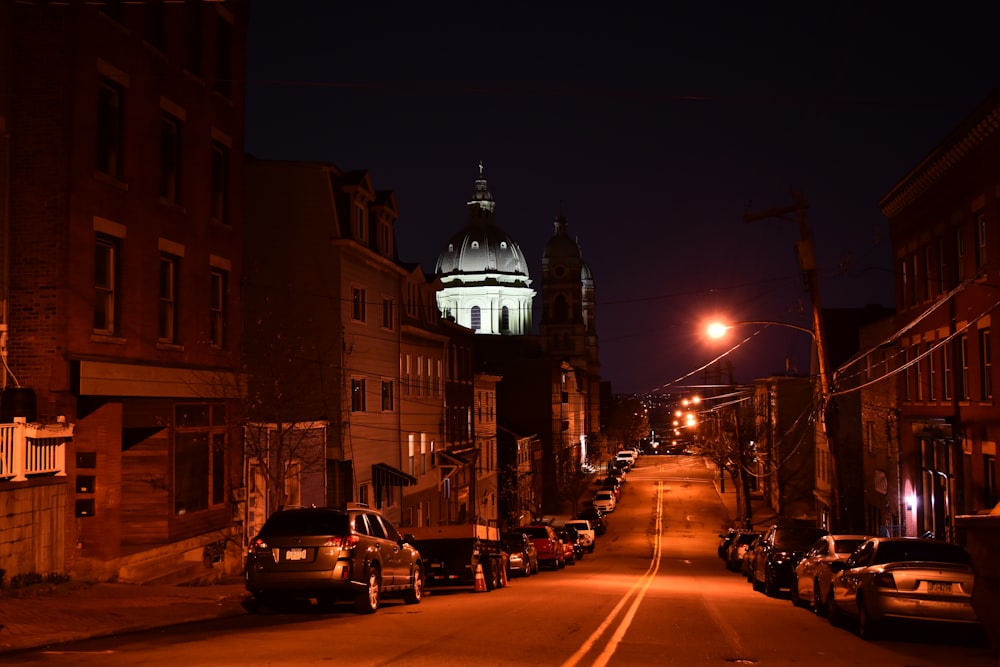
{"x": 777, "y": 554}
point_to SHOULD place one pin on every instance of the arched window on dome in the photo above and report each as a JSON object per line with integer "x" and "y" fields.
{"x": 475, "y": 244}
{"x": 560, "y": 309}
{"x": 476, "y": 318}
{"x": 503, "y": 245}
{"x": 505, "y": 319}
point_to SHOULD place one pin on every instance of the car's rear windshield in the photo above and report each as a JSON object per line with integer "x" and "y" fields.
{"x": 307, "y": 522}
{"x": 847, "y": 546}
{"x": 536, "y": 533}
{"x": 795, "y": 538}
{"x": 746, "y": 538}
{"x": 934, "y": 552}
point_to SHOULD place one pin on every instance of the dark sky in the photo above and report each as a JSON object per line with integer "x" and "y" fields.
{"x": 652, "y": 130}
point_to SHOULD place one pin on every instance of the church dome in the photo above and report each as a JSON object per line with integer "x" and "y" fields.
{"x": 481, "y": 246}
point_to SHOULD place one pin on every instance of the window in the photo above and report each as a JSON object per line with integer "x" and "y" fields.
{"x": 170, "y": 158}
{"x": 153, "y": 23}
{"x": 106, "y": 281}
{"x": 110, "y": 121}
{"x": 388, "y": 305}
{"x": 869, "y": 436}
{"x": 223, "y": 57}
{"x": 387, "y": 395}
{"x": 193, "y": 37}
{"x": 919, "y": 373}
{"x": 963, "y": 367}
{"x": 358, "y": 304}
{"x": 904, "y": 282}
{"x": 942, "y": 266}
{"x": 360, "y": 223}
{"x": 410, "y": 455}
{"x": 990, "y": 479}
{"x": 476, "y": 323}
{"x": 985, "y": 364}
{"x": 908, "y": 374}
{"x": 220, "y": 182}
{"x": 362, "y": 496}
{"x": 166, "y": 324}
{"x": 959, "y": 255}
{"x": 505, "y": 319}
{"x": 932, "y": 378}
{"x": 385, "y": 238}
{"x": 980, "y": 240}
{"x": 947, "y": 370}
{"x": 199, "y": 457}
{"x": 412, "y": 299}
{"x": 930, "y": 286}
{"x": 358, "y": 403}
{"x": 218, "y": 308}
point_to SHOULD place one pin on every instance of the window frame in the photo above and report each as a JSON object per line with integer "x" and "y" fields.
{"x": 218, "y": 308}
{"x": 166, "y": 314}
{"x": 107, "y": 290}
{"x": 359, "y": 390}
{"x": 171, "y": 157}
{"x": 110, "y": 131}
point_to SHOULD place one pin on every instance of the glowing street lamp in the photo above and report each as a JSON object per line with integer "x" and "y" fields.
{"x": 719, "y": 329}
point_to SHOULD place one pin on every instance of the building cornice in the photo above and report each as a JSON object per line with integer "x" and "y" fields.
{"x": 969, "y": 135}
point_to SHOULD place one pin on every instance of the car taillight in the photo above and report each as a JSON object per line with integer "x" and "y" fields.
{"x": 259, "y": 545}
{"x": 884, "y": 580}
{"x": 342, "y": 541}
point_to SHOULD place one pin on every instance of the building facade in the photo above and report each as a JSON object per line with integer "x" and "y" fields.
{"x": 944, "y": 221}
{"x": 122, "y": 263}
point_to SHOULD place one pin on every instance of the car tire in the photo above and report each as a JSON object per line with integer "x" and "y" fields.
{"x": 416, "y": 591}
{"x": 758, "y": 586}
{"x": 793, "y": 593}
{"x": 817, "y": 602}
{"x": 366, "y": 602}
{"x": 833, "y": 613}
{"x": 770, "y": 590}
{"x": 868, "y": 628}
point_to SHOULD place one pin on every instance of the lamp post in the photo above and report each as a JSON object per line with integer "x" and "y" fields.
{"x": 718, "y": 329}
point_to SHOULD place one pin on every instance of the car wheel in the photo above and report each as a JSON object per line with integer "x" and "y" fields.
{"x": 416, "y": 591}
{"x": 793, "y": 593}
{"x": 367, "y": 601}
{"x": 770, "y": 590}
{"x": 868, "y": 628}
{"x": 817, "y": 602}
{"x": 833, "y": 613}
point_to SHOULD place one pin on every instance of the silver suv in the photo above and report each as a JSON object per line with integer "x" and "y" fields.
{"x": 332, "y": 554}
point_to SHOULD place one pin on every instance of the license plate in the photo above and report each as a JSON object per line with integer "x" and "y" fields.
{"x": 295, "y": 554}
{"x": 939, "y": 586}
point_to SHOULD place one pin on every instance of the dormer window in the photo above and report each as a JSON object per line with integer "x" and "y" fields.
{"x": 360, "y": 223}
{"x": 451, "y": 247}
{"x": 503, "y": 245}
{"x": 475, "y": 244}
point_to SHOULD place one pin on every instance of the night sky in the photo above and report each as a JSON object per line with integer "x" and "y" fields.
{"x": 652, "y": 130}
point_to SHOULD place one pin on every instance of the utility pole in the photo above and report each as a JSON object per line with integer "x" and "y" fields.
{"x": 805, "y": 251}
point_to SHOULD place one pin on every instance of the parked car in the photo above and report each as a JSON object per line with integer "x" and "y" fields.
{"x": 813, "y": 573}
{"x": 743, "y": 540}
{"x": 522, "y": 555}
{"x": 613, "y": 486}
{"x": 587, "y": 535}
{"x": 902, "y": 578}
{"x": 547, "y": 544}
{"x": 596, "y": 519}
{"x": 725, "y": 539}
{"x": 777, "y": 554}
{"x": 570, "y": 548}
{"x": 604, "y": 500}
{"x": 747, "y": 566}
{"x": 332, "y": 554}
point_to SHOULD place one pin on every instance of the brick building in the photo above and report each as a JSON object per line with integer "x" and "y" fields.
{"x": 122, "y": 263}
{"x": 944, "y": 221}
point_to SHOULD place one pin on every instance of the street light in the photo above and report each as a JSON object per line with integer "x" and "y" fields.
{"x": 719, "y": 329}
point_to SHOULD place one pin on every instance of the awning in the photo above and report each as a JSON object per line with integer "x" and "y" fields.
{"x": 384, "y": 477}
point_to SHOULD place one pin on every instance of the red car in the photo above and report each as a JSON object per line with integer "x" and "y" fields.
{"x": 548, "y": 545}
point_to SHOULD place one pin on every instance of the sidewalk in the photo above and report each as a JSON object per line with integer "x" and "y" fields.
{"x": 44, "y": 614}
{"x": 763, "y": 516}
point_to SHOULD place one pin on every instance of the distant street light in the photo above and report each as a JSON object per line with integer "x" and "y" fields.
{"x": 719, "y": 329}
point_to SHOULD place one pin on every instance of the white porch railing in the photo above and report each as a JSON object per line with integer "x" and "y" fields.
{"x": 33, "y": 449}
